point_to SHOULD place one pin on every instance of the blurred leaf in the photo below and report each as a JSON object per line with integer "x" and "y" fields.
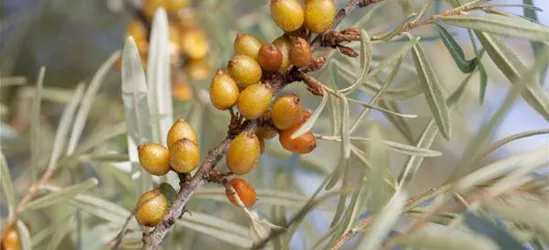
{"x": 398, "y": 122}
{"x": 379, "y": 172}
{"x": 215, "y": 227}
{"x": 158, "y": 77}
{"x": 60, "y": 196}
{"x": 503, "y": 239}
{"x": 308, "y": 125}
{"x": 391, "y": 145}
{"x": 365, "y": 59}
{"x": 393, "y": 57}
{"x": 64, "y": 126}
{"x": 7, "y": 186}
{"x": 345, "y": 147}
{"x": 431, "y": 238}
{"x": 24, "y": 235}
{"x": 495, "y": 145}
{"x": 366, "y": 17}
{"x": 514, "y": 209}
{"x": 483, "y": 82}
{"x": 136, "y": 109}
{"x": 466, "y": 66}
{"x": 7, "y": 81}
{"x": 87, "y": 101}
{"x": 101, "y": 208}
{"x": 45, "y": 233}
{"x": 384, "y": 222}
{"x": 60, "y": 233}
{"x": 382, "y": 110}
{"x": 35, "y": 124}
{"x": 101, "y": 137}
{"x": 432, "y": 91}
{"x": 501, "y": 25}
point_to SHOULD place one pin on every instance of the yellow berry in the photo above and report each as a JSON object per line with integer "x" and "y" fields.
{"x": 286, "y": 112}
{"x": 151, "y": 207}
{"x": 179, "y": 130}
{"x": 244, "y": 70}
{"x": 11, "y": 239}
{"x": 223, "y": 91}
{"x": 270, "y": 58}
{"x": 137, "y": 30}
{"x": 174, "y": 46}
{"x": 287, "y": 14}
{"x": 154, "y": 158}
{"x": 150, "y": 6}
{"x": 173, "y": 6}
{"x": 300, "y": 53}
{"x": 181, "y": 90}
{"x": 254, "y": 101}
{"x": 319, "y": 15}
{"x": 194, "y": 44}
{"x": 243, "y": 153}
{"x": 284, "y": 44}
{"x": 248, "y": 45}
{"x": 198, "y": 69}
{"x": 245, "y": 192}
{"x": 184, "y": 156}
{"x": 265, "y": 133}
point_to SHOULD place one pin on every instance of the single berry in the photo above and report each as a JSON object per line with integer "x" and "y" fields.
{"x": 223, "y": 91}
{"x": 184, "y": 156}
{"x": 244, "y": 70}
{"x": 151, "y": 207}
{"x": 254, "y": 101}
{"x": 286, "y": 112}
{"x": 181, "y": 90}
{"x": 11, "y": 239}
{"x": 137, "y": 30}
{"x": 265, "y": 133}
{"x": 270, "y": 58}
{"x": 287, "y": 14}
{"x": 179, "y": 130}
{"x": 248, "y": 45}
{"x": 194, "y": 44}
{"x": 154, "y": 158}
{"x": 198, "y": 69}
{"x": 319, "y": 15}
{"x": 300, "y": 53}
{"x": 243, "y": 153}
{"x": 150, "y": 6}
{"x": 284, "y": 44}
{"x": 245, "y": 192}
{"x": 174, "y": 6}
{"x": 303, "y": 144}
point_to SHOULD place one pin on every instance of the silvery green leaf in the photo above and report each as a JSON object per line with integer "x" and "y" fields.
{"x": 391, "y": 145}
{"x": 432, "y": 238}
{"x": 466, "y": 66}
{"x": 483, "y": 76}
{"x": 384, "y": 222}
{"x": 101, "y": 137}
{"x": 432, "y": 89}
{"x": 495, "y": 145}
{"x": 345, "y": 147}
{"x": 24, "y": 235}
{"x": 62, "y": 195}
{"x": 365, "y": 59}
{"x": 398, "y": 122}
{"x": 87, "y": 101}
{"x": 60, "y": 233}
{"x": 377, "y": 153}
{"x": 226, "y": 231}
{"x": 7, "y": 186}
{"x": 158, "y": 77}
{"x": 503, "y": 239}
{"x": 101, "y": 208}
{"x": 393, "y": 57}
{"x": 511, "y": 66}
{"x": 500, "y": 25}
{"x": 35, "y": 123}
{"x": 382, "y": 110}
{"x": 366, "y": 17}
{"x": 308, "y": 125}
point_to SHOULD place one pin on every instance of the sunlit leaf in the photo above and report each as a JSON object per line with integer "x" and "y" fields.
{"x": 7, "y": 186}
{"x": 35, "y": 123}
{"x": 466, "y": 66}
{"x": 62, "y": 195}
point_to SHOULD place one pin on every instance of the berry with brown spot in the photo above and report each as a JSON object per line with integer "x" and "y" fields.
{"x": 270, "y": 58}
{"x": 300, "y": 53}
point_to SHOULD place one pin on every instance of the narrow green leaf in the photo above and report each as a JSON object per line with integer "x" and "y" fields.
{"x": 308, "y": 125}
{"x": 87, "y": 101}
{"x": 391, "y": 145}
{"x": 432, "y": 91}
{"x": 35, "y": 123}
{"x": 24, "y": 235}
{"x": 382, "y": 110}
{"x": 432, "y": 238}
{"x": 483, "y": 76}
{"x": 393, "y": 57}
{"x": 513, "y": 209}
{"x": 517, "y": 73}
{"x": 398, "y": 122}
{"x": 62, "y": 195}
{"x": 226, "y": 231}
{"x": 466, "y": 66}
{"x": 377, "y": 154}
{"x": 494, "y": 146}
{"x": 345, "y": 147}
{"x": 7, "y": 186}
{"x": 97, "y": 139}
{"x": 501, "y": 25}
{"x": 101, "y": 208}
{"x": 365, "y": 59}
{"x": 60, "y": 233}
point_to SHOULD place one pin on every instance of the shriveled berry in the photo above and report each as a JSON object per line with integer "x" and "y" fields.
{"x": 245, "y": 192}
{"x": 244, "y": 70}
{"x": 198, "y": 69}
{"x": 254, "y": 101}
{"x": 286, "y": 112}
{"x": 300, "y": 53}
{"x": 179, "y": 130}
{"x": 173, "y": 6}
{"x": 137, "y": 30}
{"x": 223, "y": 91}
{"x": 284, "y": 44}
{"x": 287, "y": 14}
{"x": 265, "y": 133}
{"x": 319, "y": 15}
{"x": 270, "y": 58}
{"x": 243, "y": 153}
{"x": 248, "y": 45}
{"x": 194, "y": 44}
{"x": 184, "y": 156}
{"x": 151, "y": 207}
{"x": 303, "y": 144}
{"x": 154, "y": 158}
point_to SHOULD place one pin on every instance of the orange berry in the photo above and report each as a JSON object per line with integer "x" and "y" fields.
{"x": 300, "y": 53}
{"x": 154, "y": 158}
{"x": 11, "y": 239}
{"x": 319, "y": 15}
{"x": 270, "y": 58}
{"x": 244, "y": 70}
{"x": 179, "y": 130}
{"x": 173, "y": 6}
{"x": 194, "y": 44}
{"x": 245, "y": 192}
{"x": 287, "y": 14}
{"x": 151, "y": 207}
{"x": 243, "y": 153}
{"x": 223, "y": 91}
{"x": 184, "y": 156}
{"x": 181, "y": 90}
{"x": 284, "y": 44}
{"x": 254, "y": 101}
{"x": 303, "y": 144}
{"x": 286, "y": 112}
{"x": 137, "y": 30}
{"x": 248, "y": 45}
{"x": 265, "y": 133}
